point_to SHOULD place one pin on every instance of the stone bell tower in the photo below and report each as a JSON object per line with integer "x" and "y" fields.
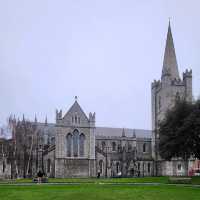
{"x": 165, "y": 91}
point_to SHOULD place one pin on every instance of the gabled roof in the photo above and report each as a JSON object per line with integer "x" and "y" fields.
{"x": 75, "y": 108}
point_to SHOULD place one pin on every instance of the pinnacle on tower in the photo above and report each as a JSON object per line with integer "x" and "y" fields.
{"x": 123, "y": 133}
{"x": 35, "y": 119}
{"x": 134, "y": 135}
{"x": 46, "y": 121}
{"x": 170, "y": 66}
{"x": 23, "y": 118}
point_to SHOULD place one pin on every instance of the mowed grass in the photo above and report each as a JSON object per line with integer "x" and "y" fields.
{"x": 98, "y": 192}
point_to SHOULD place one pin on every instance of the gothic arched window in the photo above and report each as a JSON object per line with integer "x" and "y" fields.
{"x": 144, "y": 148}
{"x": 117, "y": 167}
{"x": 114, "y": 146}
{"x": 129, "y": 146}
{"x": 138, "y": 166}
{"x": 149, "y": 167}
{"x": 81, "y": 144}
{"x": 178, "y": 98}
{"x": 53, "y": 140}
{"x": 75, "y": 142}
{"x": 159, "y": 102}
{"x": 69, "y": 144}
{"x": 179, "y": 167}
{"x": 103, "y": 144}
{"x": 101, "y": 166}
{"x": 48, "y": 165}
{"x": 75, "y": 119}
{"x": 4, "y": 166}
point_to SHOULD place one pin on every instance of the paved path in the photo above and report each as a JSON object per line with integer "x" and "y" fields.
{"x": 100, "y": 183}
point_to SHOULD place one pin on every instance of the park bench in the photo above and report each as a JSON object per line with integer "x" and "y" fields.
{"x": 43, "y": 180}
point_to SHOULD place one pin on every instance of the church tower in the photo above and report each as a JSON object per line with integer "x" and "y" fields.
{"x": 165, "y": 91}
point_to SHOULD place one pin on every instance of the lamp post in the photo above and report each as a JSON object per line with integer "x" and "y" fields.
{"x": 106, "y": 172}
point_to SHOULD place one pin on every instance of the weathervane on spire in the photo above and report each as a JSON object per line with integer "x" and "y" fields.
{"x": 76, "y": 98}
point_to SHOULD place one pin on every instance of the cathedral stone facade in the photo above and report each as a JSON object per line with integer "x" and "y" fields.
{"x": 75, "y": 147}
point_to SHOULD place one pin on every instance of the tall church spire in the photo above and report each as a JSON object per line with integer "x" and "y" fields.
{"x": 170, "y": 66}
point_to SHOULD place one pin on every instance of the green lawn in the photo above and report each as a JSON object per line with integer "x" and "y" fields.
{"x": 97, "y": 192}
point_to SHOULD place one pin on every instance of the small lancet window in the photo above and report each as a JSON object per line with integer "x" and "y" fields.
{"x": 114, "y": 146}
{"x": 178, "y": 98}
{"x": 103, "y": 145}
{"x": 48, "y": 165}
{"x": 159, "y": 102}
{"x": 4, "y": 166}
{"x": 75, "y": 142}
{"x": 69, "y": 144}
{"x": 101, "y": 166}
{"x": 149, "y": 167}
{"x": 179, "y": 167}
{"x": 144, "y": 148}
{"x": 81, "y": 144}
{"x": 76, "y": 119}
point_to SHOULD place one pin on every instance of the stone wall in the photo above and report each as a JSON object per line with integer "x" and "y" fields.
{"x": 74, "y": 168}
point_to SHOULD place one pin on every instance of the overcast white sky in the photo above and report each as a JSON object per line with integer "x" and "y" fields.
{"x": 107, "y": 52}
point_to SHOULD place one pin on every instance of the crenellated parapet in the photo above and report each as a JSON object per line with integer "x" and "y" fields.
{"x": 155, "y": 84}
{"x": 58, "y": 115}
{"x": 92, "y": 118}
{"x": 177, "y": 82}
{"x": 187, "y": 79}
{"x": 187, "y": 74}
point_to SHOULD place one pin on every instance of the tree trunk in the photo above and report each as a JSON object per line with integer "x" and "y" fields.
{"x": 28, "y": 165}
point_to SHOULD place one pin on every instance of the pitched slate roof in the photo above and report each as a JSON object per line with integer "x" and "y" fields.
{"x": 117, "y": 132}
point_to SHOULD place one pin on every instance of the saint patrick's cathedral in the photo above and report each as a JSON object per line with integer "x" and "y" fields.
{"x": 74, "y": 146}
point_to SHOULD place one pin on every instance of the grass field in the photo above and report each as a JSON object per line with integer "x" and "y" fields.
{"x": 98, "y": 192}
